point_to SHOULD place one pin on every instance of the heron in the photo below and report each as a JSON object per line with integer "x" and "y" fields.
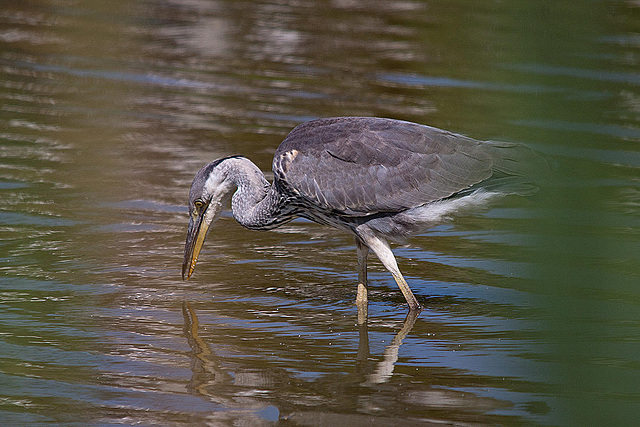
{"x": 380, "y": 179}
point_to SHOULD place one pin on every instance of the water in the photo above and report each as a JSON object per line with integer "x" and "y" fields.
{"x": 107, "y": 109}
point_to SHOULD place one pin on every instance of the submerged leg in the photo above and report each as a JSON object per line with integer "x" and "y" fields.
{"x": 382, "y": 250}
{"x": 361, "y": 297}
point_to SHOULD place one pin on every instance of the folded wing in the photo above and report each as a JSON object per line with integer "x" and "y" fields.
{"x": 362, "y": 166}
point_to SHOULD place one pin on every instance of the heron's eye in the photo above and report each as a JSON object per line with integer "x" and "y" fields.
{"x": 198, "y": 204}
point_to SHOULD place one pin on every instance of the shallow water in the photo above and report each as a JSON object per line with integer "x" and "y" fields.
{"x": 108, "y": 108}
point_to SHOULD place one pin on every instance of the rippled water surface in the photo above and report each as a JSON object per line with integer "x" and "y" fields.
{"x": 108, "y": 108}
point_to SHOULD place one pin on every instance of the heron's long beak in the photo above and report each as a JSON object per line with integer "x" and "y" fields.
{"x": 196, "y": 234}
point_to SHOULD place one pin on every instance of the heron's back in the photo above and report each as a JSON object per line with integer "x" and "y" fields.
{"x": 360, "y": 166}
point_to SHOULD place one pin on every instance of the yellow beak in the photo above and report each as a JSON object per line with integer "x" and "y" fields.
{"x": 196, "y": 234}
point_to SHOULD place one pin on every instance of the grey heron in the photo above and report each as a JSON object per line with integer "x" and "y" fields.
{"x": 380, "y": 179}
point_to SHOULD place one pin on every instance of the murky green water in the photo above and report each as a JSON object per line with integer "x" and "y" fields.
{"x": 107, "y": 109}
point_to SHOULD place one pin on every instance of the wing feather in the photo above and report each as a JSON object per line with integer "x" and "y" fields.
{"x": 360, "y": 166}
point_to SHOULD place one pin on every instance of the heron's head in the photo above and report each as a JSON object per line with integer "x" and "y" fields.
{"x": 209, "y": 193}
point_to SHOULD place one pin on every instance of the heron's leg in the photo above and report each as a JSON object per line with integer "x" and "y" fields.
{"x": 363, "y": 252}
{"x": 361, "y": 297}
{"x": 381, "y": 248}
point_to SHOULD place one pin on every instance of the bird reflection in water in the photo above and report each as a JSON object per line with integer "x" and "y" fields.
{"x": 229, "y": 387}
{"x": 384, "y": 369}
{"x": 203, "y": 365}
{"x": 209, "y": 379}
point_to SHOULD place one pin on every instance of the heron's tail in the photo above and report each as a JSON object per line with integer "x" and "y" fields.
{"x": 517, "y": 169}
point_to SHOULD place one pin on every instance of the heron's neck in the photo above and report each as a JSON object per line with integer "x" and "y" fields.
{"x": 256, "y": 204}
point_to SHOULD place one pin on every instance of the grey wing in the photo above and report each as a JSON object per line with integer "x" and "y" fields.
{"x": 361, "y": 166}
